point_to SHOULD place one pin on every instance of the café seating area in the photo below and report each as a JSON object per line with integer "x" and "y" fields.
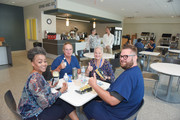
{"x": 153, "y": 108}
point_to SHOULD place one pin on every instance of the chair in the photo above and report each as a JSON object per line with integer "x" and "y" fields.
{"x": 10, "y": 102}
{"x": 115, "y": 63}
{"x": 35, "y": 44}
{"x": 174, "y": 61}
{"x": 47, "y": 74}
{"x": 82, "y": 58}
{"x": 134, "y": 116}
{"x": 150, "y": 76}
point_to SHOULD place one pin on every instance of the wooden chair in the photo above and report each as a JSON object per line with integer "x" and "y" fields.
{"x": 10, "y": 102}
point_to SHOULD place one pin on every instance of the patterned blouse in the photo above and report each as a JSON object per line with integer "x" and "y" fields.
{"x": 93, "y": 41}
{"x": 106, "y": 68}
{"x": 36, "y": 96}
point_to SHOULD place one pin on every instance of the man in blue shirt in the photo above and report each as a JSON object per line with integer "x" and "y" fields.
{"x": 139, "y": 44}
{"x": 124, "y": 96}
{"x": 151, "y": 45}
{"x": 64, "y": 63}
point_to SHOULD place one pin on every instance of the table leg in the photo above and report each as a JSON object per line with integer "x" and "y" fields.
{"x": 169, "y": 87}
{"x": 179, "y": 56}
{"x": 149, "y": 57}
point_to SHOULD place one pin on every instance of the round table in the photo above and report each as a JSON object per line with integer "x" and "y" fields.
{"x": 173, "y": 70}
{"x": 105, "y": 55}
{"x": 175, "y": 51}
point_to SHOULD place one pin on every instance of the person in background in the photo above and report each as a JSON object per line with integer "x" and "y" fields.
{"x": 99, "y": 63}
{"x": 125, "y": 94}
{"x": 64, "y": 63}
{"x": 37, "y": 100}
{"x": 93, "y": 40}
{"x": 108, "y": 40}
{"x": 139, "y": 44}
{"x": 151, "y": 46}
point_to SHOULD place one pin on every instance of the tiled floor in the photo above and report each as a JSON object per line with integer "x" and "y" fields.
{"x": 14, "y": 77}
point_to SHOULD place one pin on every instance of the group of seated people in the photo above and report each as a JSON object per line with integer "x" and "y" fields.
{"x": 150, "y": 46}
{"x": 121, "y": 100}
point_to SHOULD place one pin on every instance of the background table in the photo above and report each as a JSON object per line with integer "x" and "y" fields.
{"x": 149, "y": 54}
{"x": 164, "y": 49}
{"x": 175, "y": 51}
{"x": 105, "y": 55}
{"x": 171, "y": 70}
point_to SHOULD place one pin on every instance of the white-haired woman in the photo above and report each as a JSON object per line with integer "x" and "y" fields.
{"x": 102, "y": 65}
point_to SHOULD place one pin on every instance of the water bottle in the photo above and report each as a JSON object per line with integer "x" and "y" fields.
{"x": 66, "y": 78}
{"x": 83, "y": 77}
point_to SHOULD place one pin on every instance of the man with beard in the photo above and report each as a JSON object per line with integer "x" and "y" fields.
{"x": 124, "y": 96}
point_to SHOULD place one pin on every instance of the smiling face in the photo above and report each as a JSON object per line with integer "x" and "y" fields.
{"x": 98, "y": 53}
{"x": 68, "y": 50}
{"x": 126, "y": 61}
{"x": 39, "y": 63}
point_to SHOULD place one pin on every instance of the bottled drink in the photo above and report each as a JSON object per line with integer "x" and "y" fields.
{"x": 66, "y": 78}
{"x": 83, "y": 77}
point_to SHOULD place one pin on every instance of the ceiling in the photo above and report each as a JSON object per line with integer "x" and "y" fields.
{"x": 124, "y": 8}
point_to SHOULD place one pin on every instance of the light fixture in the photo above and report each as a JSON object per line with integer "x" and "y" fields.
{"x": 94, "y": 24}
{"x": 67, "y": 21}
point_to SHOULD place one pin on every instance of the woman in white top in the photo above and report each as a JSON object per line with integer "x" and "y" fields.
{"x": 93, "y": 40}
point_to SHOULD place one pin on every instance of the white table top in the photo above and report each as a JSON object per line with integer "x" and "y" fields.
{"x": 74, "y": 98}
{"x": 175, "y": 51}
{"x": 105, "y": 55}
{"x": 167, "y": 47}
{"x": 166, "y": 68}
{"x": 149, "y": 53}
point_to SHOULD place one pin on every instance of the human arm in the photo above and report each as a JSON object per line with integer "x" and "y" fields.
{"x": 89, "y": 69}
{"x": 103, "y": 94}
{"x": 57, "y": 65}
{"x": 41, "y": 91}
{"x": 109, "y": 71}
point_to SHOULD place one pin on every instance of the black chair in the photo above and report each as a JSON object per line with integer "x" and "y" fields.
{"x": 47, "y": 74}
{"x": 35, "y": 44}
{"x": 115, "y": 64}
{"x": 134, "y": 116}
{"x": 10, "y": 102}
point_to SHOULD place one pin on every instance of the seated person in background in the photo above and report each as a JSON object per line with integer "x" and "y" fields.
{"x": 124, "y": 96}
{"x": 99, "y": 63}
{"x": 139, "y": 44}
{"x": 64, "y": 63}
{"x": 37, "y": 102}
{"x": 151, "y": 46}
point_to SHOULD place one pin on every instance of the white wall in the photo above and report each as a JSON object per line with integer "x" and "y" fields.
{"x": 33, "y": 11}
{"x": 155, "y": 25}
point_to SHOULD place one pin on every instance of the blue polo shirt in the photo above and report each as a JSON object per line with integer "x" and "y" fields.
{"x": 139, "y": 45}
{"x": 68, "y": 68}
{"x": 129, "y": 85}
{"x": 151, "y": 50}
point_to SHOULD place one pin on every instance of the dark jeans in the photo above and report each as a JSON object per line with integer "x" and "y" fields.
{"x": 58, "y": 110}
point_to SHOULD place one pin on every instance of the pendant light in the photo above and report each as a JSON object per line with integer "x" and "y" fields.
{"x": 67, "y": 22}
{"x": 94, "y": 24}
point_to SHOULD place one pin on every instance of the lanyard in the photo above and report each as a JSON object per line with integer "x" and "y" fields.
{"x": 99, "y": 64}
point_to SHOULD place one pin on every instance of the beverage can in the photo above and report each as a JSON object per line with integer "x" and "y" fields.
{"x": 74, "y": 73}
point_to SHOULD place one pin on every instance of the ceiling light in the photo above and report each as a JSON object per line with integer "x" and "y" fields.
{"x": 13, "y": 2}
{"x": 94, "y": 24}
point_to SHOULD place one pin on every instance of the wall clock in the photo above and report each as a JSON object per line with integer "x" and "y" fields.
{"x": 49, "y": 21}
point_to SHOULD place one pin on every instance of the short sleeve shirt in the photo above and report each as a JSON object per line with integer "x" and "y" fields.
{"x": 130, "y": 86}
{"x": 68, "y": 68}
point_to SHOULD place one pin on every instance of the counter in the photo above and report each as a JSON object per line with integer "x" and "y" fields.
{"x": 5, "y": 55}
{"x": 55, "y": 47}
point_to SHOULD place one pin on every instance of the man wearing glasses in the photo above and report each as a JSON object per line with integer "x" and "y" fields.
{"x": 124, "y": 96}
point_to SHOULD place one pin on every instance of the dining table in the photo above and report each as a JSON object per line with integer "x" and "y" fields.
{"x": 74, "y": 98}
{"x": 175, "y": 51}
{"x": 148, "y": 54}
{"x": 105, "y": 55}
{"x": 172, "y": 70}
{"x": 164, "y": 49}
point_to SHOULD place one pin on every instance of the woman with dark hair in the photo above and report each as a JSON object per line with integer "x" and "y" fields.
{"x": 37, "y": 101}
{"x": 93, "y": 40}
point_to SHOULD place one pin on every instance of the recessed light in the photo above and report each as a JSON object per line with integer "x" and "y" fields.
{"x": 13, "y": 2}
{"x": 172, "y": 16}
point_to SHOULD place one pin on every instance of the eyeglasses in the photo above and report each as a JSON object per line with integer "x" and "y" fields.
{"x": 68, "y": 49}
{"x": 125, "y": 57}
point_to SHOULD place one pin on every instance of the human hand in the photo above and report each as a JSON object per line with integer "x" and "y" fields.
{"x": 64, "y": 87}
{"x": 63, "y": 64}
{"x": 93, "y": 81}
{"x": 90, "y": 68}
